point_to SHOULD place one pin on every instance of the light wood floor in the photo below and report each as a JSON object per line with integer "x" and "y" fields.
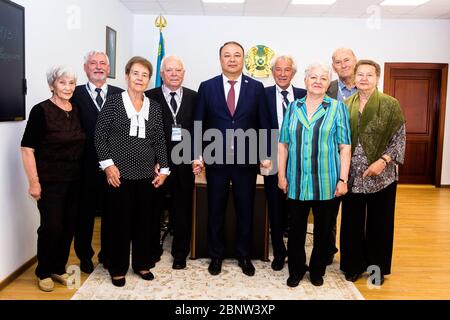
{"x": 421, "y": 262}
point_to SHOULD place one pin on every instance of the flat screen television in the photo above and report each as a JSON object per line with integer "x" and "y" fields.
{"x": 13, "y": 86}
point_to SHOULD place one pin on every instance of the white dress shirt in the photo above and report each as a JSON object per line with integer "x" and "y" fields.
{"x": 237, "y": 88}
{"x": 91, "y": 89}
{"x": 280, "y": 102}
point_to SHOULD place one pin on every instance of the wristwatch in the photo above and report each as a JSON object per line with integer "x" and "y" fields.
{"x": 384, "y": 159}
{"x": 342, "y": 180}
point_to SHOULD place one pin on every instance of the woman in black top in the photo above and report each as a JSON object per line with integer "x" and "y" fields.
{"x": 130, "y": 143}
{"x": 51, "y": 150}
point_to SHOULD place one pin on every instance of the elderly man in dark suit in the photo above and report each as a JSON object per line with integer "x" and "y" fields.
{"x": 278, "y": 98}
{"x": 90, "y": 99}
{"x": 344, "y": 62}
{"x": 178, "y": 104}
{"x": 231, "y": 103}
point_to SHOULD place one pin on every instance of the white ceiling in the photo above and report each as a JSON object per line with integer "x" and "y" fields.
{"x": 434, "y": 9}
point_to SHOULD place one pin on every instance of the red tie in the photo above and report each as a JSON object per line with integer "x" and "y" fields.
{"x": 231, "y": 98}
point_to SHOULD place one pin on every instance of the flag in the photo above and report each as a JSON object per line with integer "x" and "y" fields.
{"x": 161, "y": 53}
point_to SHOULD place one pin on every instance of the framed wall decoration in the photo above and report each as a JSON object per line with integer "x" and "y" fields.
{"x": 111, "y": 39}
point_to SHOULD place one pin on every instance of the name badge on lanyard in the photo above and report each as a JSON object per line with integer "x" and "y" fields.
{"x": 176, "y": 132}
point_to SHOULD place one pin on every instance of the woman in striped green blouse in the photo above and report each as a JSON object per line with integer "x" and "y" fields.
{"x": 314, "y": 159}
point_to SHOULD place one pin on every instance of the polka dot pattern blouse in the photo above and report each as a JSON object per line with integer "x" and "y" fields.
{"x": 134, "y": 157}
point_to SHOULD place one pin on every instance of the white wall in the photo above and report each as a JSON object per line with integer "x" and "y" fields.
{"x": 197, "y": 40}
{"x": 53, "y": 36}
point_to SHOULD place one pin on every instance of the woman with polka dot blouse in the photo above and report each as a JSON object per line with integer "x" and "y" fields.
{"x": 130, "y": 143}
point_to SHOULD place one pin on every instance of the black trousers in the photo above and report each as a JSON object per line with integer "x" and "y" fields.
{"x": 278, "y": 213}
{"x": 131, "y": 213}
{"x": 324, "y": 212}
{"x": 178, "y": 192}
{"x": 93, "y": 196}
{"x": 58, "y": 208}
{"x": 367, "y": 230}
{"x": 244, "y": 186}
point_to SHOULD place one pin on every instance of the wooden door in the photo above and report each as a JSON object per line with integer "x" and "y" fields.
{"x": 420, "y": 91}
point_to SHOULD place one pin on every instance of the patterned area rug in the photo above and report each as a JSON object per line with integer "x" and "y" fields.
{"x": 195, "y": 283}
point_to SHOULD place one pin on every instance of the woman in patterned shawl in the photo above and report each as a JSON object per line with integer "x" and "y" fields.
{"x": 378, "y": 147}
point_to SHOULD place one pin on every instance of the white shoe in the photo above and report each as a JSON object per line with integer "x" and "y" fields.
{"x": 46, "y": 284}
{"x": 61, "y": 278}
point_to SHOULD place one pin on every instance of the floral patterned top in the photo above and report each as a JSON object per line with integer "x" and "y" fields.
{"x": 359, "y": 164}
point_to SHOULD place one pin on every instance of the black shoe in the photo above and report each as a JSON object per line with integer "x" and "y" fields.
{"x": 278, "y": 264}
{"x": 118, "y": 282}
{"x": 316, "y": 280}
{"x": 247, "y": 267}
{"x": 330, "y": 259}
{"x": 179, "y": 264}
{"x": 215, "y": 266}
{"x": 86, "y": 266}
{"x": 146, "y": 276}
{"x": 294, "y": 280}
{"x": 352, "y": 277}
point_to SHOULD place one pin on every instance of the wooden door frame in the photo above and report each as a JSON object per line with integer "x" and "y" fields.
{"x": 443, "y": 67}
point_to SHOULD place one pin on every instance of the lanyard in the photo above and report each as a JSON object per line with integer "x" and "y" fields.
{"x": 174, "y": 114}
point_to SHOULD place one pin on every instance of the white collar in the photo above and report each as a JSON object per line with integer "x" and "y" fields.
{"x": 92, "y": 87}
{"x": 225, "y": 80}
{"x": 167, "y": 91}
{"x": 137, "y": 118}
{"x": 289, "y": 89}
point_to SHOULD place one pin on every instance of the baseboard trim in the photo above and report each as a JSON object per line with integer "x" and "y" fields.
{"x": 13, "y": 276}
{"x": 445, "y": 185}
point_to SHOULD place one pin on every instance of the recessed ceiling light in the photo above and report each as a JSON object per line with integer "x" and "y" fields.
{"x": 403, "y": 2}
{"x": 313, "y": 2}
{"x": 223, "y": 1}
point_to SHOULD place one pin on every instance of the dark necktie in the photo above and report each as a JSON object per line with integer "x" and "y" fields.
{"x": 99, "y": 98}
{"x": 284, "y": 93}
{"x": 173, "y": 102}
{"x": 231, "y": 99}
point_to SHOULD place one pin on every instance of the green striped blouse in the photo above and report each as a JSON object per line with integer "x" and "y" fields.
{"x": 313, "y": 148}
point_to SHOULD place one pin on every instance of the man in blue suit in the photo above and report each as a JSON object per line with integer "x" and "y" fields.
{"x": 278, "y": 98}
{"x": 229, "y": 102}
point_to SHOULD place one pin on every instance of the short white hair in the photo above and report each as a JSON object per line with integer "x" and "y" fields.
{"x": 90, "y": 54}
{"x": 318, "y": 65}
{"x": 54, "y": 73}
{"x": 333, "y": 57}
{"x": 173, "y": 57}
{"x": 285, "y": 58}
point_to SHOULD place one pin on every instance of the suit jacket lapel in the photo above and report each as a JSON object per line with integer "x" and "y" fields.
{"x": 89, "y": 101}
{"x": 273, "y": 105}
{"x": 181, "y": 107}
{"x": 221, "y": 91}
